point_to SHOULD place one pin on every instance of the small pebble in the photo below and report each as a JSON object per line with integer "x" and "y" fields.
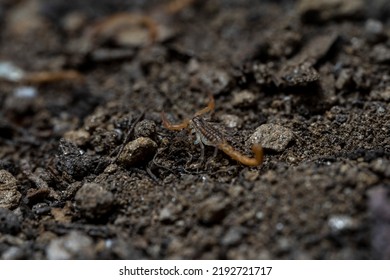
{"x": 379, "y": 210}
{"x": 14, "y": 253}
{"x": 339, "y": 223}
{"x": 244, "y": 98}
{"x": 9, "y": 195}
{"x": 9, "y": 222}
{"x": 166, "y": 215}
{"x": 145, "y": 128}
{"x": 213, "y": 78}
{"x": 41, "y": 208}
{"x": 25, "y": 92}
{"x": 381, "y": 53}
{"x": 74, "y": 245}
{"x": 272, "y": 136}
{"x": 374, "y": 30}
{"x": 10, "y": 72}
{"x": 231, "y": 121}
{"x": 36, "y": 195}
{"x": 128, "y": 36}
{"x": 78, "y": 137}
{"x": 213, "y": 210}
{"x": 138, "y": 151}
{"x": 94, "y": 201}
{"x": 233, "y": 236}
{"x": 344, "y": 80}
{"x": 324, "y": 10}
{"x": 385, "y": 94}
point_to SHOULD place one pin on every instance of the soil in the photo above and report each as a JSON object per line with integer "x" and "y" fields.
{"x": 88, "y": 171}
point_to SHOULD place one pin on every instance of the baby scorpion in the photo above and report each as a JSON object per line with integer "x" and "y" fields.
{"x": 208, "y": 135}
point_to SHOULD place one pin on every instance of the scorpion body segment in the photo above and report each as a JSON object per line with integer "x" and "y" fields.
{"x": 208, "y": 134}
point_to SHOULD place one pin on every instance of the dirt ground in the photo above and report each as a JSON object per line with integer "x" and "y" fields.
{"x": 88, "y": 171}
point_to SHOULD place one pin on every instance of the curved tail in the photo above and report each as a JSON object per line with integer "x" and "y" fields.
{"x": 236, "y": 155}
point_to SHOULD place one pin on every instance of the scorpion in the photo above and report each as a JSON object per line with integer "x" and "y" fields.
{"x": 207, "y": 135}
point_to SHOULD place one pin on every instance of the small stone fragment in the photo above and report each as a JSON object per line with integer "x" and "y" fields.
{"x": 134, "y": 37}
{"x": 324, "y": 10}
{"x": 272, "y": 136}
{"x": 14, "y": 253}
{"x": 244, "y": 98}
{"x": 381, "y": 53}
{"x": 293, "y": 75}
{"x": 231, "y": 121}
{"x": 76, "y": 162}
{"x": 145, "y": 128}
{"x": 213, "y": 210}
{"x": 138, "y": 151}
{"x": 10, "y": 72}
{"x": 215, "y": 79}
{"x": 233, "y": 236}
{"x": 9, "y": 222}
{"x": 41, "y": 208}
{"x": 77, "y": 137}
{"x": 344, "y": 80}
{"x": 36, "y": 195}
{"x": 383, "y": 95}
{"x": 94, "y": 201}
{"x": 9, "y": 195}
{"x": 379, "y": 210}
{"x": 74, "y": 245}
{"x": 263, "y": 73}
{"x": 374, "y": 30}
{"x": 167, "y": 215}
{"x": 62, "y": 215}
{"x": 339, "y": 223}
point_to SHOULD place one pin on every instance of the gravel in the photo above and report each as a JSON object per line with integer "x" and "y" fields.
{"x": 9, "y": 195}
{"x": 94, "y": 201}
{"x": 272, "y": 136}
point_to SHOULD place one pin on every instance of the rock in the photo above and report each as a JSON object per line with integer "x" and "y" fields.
{"x": 14, "y": 253}
{"x": 233, "y": 236}
{"x": 138, "y": 151}
{"x": 9, "y": 222}
{"x": 231, "y": 121}
{"x": 374, "y": 31}
{"x": 344, "y": 79}
{"x": 9, "y": 195}
{"x": 167, "y": 215}
{"x": 339, "y": 223}
{"x": 94, "y": 201}
{"x": 272, "y": 136}
{"x": 10, "y": 72}
{"x": 324, "y": 10}
{"x": 74, "y": 245}
{"x": 74, "y": 161}
{"x": 214, "y": 79}
{"x": 296, "y": 74}
{"x": 262, "y": 73}
{"x": 379, "y": 210}
{"x": 145, "y": 128}
{"x": 36, "y": 195}
{"x": 78, "y": 137}
{"x": 382, "y": 94}
{"x": 62, "y": 215}
{"x": 380, "y": 53}
{"x": 213, "y": 210}
{"x": 244, "y": 98}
